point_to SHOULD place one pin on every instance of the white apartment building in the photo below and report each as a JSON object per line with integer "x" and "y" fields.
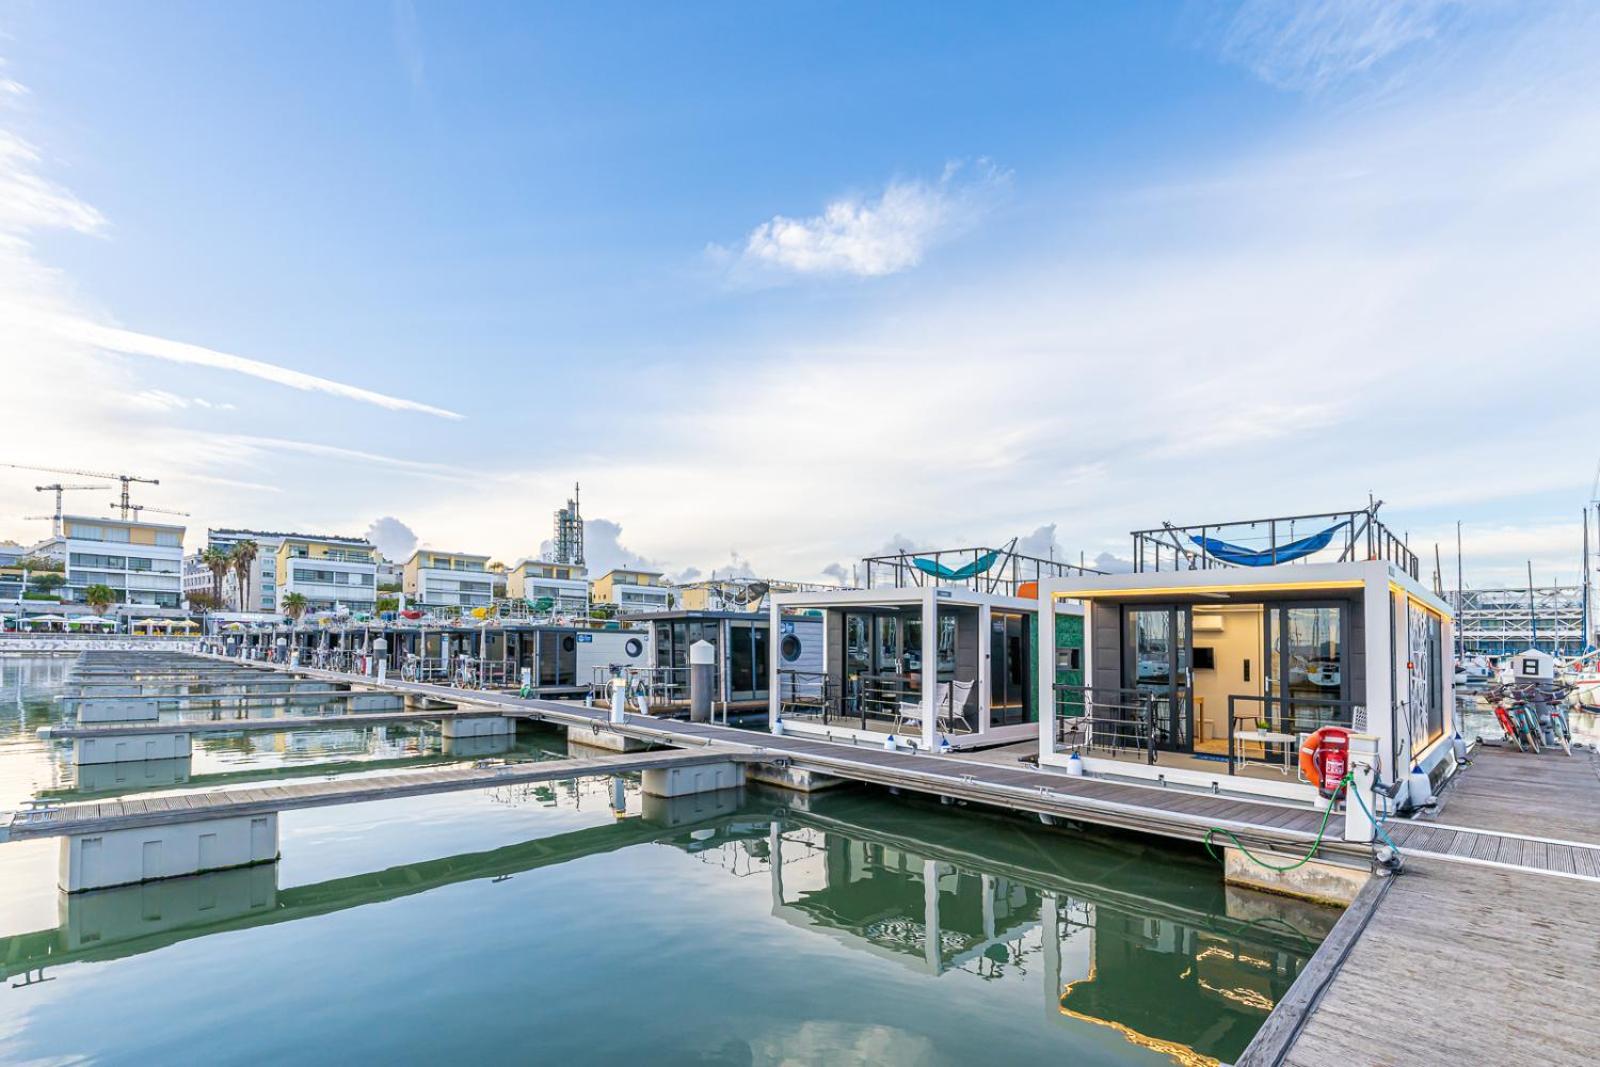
{"x": 437, "y": 579}
{"x": 329, "y": 572}
{"x": 565, "y": 585}
{"x": 633, "y": 590}
{"x": 263, "y": 592}
{"x": 196, "y": 576}
{"x": 140, "y": 561}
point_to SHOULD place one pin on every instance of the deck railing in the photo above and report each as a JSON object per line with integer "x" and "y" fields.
{"x": 1006, "y": 576}
{"x": 1107, "y": 719}
{"x": 1359, "y": 535}
{"x": 1267, "y": 731}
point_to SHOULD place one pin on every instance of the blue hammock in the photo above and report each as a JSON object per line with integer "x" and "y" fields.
{"x": 956, "y": 574}
{"x": 1246, "y": 557}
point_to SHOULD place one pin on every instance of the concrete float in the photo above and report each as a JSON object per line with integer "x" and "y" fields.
{"x": 173, "y": 745}
{"x": 149, "y": 853}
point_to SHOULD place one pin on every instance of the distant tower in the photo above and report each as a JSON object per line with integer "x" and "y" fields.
{"x": 569, "y": 532}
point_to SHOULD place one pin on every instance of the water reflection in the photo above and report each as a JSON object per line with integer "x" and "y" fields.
{"x": 1138, "y": 942}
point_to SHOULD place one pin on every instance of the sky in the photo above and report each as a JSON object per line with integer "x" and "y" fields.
{"x": 787, "y": 286}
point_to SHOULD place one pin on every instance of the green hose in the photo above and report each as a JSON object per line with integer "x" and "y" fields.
{"x": 1327, "y": 813}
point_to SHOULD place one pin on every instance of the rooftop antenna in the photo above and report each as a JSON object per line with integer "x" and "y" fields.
{"x": 55, "y": 528}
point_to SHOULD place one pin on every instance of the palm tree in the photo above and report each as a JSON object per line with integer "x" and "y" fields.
{"x": 99, "y": 598}
{"x": 218, "y": 563}
{"x": 243, "y": 557}
{"x": 295, "y": 605}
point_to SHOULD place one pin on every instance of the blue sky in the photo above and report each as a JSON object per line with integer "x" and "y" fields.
{"x": 783, "y": 286}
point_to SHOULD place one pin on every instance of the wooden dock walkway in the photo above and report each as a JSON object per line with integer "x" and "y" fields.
{"x": 352, "y": 719}
{"x": 94, "y": 817}
{"x": 1506, "y": 952}
{"x": 1169, "y": 812}
{"x": 1481, "y": 951}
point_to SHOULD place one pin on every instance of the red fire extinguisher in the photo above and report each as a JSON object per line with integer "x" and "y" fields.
{"x": 1325, "y": 757}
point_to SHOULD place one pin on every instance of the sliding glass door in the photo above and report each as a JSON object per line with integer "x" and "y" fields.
{"x": 1306, "y": 677}
{"x": 1156, "y": 663}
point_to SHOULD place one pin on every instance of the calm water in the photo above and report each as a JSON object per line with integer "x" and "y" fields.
{"x": 550, "y": 924}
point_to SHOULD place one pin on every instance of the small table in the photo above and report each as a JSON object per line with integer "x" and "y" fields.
{"x": 1269, "y": 737}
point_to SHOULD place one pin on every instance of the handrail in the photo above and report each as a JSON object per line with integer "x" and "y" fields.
{"x": 1278, "y": 719}
{"x": 1363, "y": 536}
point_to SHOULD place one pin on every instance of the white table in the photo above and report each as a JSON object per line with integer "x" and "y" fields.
{"x": 1270, "y": 737}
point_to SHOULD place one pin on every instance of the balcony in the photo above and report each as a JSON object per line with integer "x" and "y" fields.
{"x": 1154, "y": 727}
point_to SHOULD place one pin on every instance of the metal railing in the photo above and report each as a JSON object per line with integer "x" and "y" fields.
{"x": 1108, "y": 719}
{"x": 807, "y": 695}
{"x": 1360, "y": 535}
{"x": 1268, "y": 730}
{"x": 1005, "y": 576}
{"x": 660, "y": 686}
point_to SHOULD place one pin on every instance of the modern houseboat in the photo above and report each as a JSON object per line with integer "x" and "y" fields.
{"x": 936, "y": 653}
{"x": 1231, "y": 645}
{"x": 742, "y": 642}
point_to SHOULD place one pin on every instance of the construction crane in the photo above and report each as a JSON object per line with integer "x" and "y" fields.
{"x": 138, "y": 508}
{"x": 58, "y": 488}
{"x": 125, "y": 479}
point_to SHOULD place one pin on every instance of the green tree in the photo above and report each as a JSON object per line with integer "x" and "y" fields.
{"x": 202, "y": 601}
{"x": 387, "y": 603}
{"x": 295, "y": 605}
{"x": 46, "y": 583}
{"x": 217, "y": 562}
{"x": 99, "y": 598}
{"x": 243, "y": 557}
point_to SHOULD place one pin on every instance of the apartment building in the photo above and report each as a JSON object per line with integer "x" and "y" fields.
{"x": 330, "y": 572}
{"x": 633, "y": 590}
{"x": 140, "y": 561}
{"x": 565, "y": 585}
{"x": 438, "y": 579}
{"x": 263, "y": 584}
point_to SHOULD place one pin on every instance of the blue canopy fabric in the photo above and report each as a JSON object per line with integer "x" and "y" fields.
{"x": 1246, "y": 557}
{"x": 956, "y": 574}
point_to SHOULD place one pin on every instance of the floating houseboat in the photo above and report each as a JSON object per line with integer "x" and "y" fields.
{"x": 1230, "y": 646}
{"x": 549, "y": 660}
{"x": 743, "y": 654}
{"x": 936, "y": 653}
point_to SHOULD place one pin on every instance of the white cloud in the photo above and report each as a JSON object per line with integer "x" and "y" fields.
{"x": 872, "y": 237}
{"x": 603, "y": 549}
{"x": 393, "y": 538}
{"x": 1311, "y": 44}
{"x": 114, "y": 339}
{"x": 161, "y": 400}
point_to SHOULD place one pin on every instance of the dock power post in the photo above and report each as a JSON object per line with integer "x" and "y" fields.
{"x": 1358, "y": 825}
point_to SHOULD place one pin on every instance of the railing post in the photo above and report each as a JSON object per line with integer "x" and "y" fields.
{"x": 1231, "y": 698}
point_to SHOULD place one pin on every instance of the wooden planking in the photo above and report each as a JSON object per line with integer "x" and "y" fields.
{"x": 1550, "y": 795}
{"x": 275, "y": 723}
{"x": 100, "y": 816}
{"x": 1464, "y": 932}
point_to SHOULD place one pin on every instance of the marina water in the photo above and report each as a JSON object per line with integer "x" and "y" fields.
{"x": 584, "y": 922}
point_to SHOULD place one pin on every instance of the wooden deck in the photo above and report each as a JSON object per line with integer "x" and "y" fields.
{"x": 1498, "y": 924}
{"x": 126, "y": 813}
{"x": 352, "y": 719}
{"x": 1494, "y": 967}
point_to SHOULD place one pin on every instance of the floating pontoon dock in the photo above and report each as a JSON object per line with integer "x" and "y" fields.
{"x": 1474, "y": 953}
{"x": 108, "y": 815}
